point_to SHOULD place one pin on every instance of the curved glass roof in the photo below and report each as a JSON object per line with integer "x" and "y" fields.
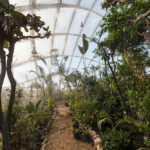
{"x": 68, "y": 20}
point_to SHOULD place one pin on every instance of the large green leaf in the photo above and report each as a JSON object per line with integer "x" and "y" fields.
{"x": 81, "y": 49}
{"x": 85, "y": 43}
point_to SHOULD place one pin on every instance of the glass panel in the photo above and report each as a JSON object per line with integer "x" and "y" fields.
{"x": 22, "y": 51}
{"x": 47, "y": 15}
{"x": 19, "y": 2}
{"x": 43, "y": 46}
{"x": 46, "y": 1}
{"x": 70, "y": 45}
{"x": 75, "y": 62}
{"x": 91, "y": 24}
{"x": 78, "y": 20}
{"x": 67, "y": 63}
{"x": 23, "y": 72}
{"x": 89, "y": 54}
{"x": 74, "y": 2}
{"x": 93, "y": 63}
{"x": 98, "y": 8}
{"x": 84, "y": 63}
{"x": 64, "y": 19}
{"x": 86, "y": 3}
{"x": 59, "y": 43}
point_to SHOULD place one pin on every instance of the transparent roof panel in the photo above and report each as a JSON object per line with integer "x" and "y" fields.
{"x": 75, "y": 62}
{"x": 43, "y": 46}
{"x": 67, "y": 63}
{"x": 91, "y": 25}
{"x": 59, "y": 43}
{"x": 19, "y": 2}
{"x": 48, "y": 16}
{"x": 98, "y": 8}
{"x": 73, "y": 2}
{"x": 78, "y": 21}
{"x": 92, "y": 46}
{"x": 46, "y": 1}
{"x": 63, "y": 21}
{"x": 23, "y": 73}
{"x": 70, "y": 45}
{"x": 22, "y": 51}
{"x": 87, "y": 3}
{"x": 68, "y": 20}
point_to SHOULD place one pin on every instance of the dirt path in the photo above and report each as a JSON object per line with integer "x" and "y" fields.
{"x": 61, "y": 136}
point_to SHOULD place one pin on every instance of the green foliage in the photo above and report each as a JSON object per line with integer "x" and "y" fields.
{"x": 115, "y": 140}
{"x": 83, "y": 110}
{"x": 30, "y": 108}
{"x": 85, "y": 43}
{"x": 27, "y": 123}
{"x": 81, "y": 133}
{"x": 28, "y": 128}
{"x": 147, "y": 142}
{"x": 124, "y": 79}
{"x": 26, "y": 132}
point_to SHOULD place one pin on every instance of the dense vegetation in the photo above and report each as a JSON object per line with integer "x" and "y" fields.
{"x": 117, "y": 102}
{"x": 29, "y": 121}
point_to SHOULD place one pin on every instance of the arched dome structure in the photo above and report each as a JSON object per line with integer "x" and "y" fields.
{"x": 68, "y": 20}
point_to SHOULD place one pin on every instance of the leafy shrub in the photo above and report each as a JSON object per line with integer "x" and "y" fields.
{"x": 115, "y": 140}
{"x": 27, "y": 131}
{"x": 83, "y": 110}
{"x": 126, "y": 125}
{"x": 28, "y": 125}
{"x": 147, "y": 142}
{"x": 81, "y": 133}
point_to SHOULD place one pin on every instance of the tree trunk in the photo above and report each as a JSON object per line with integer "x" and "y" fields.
{"x": 2, "y": 77}
{"x": 12, "y": 81}
{"x": 3, "y": 123}
{"x": 6, "y": 135}
{"x": 6, "y": 123}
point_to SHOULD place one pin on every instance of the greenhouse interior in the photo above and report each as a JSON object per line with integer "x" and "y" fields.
{"x": 74, "y": 74}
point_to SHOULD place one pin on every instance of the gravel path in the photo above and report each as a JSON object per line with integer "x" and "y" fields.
{"x": 61, "y": 136}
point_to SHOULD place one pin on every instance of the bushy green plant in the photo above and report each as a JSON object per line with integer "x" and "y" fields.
{"x": 28, "y": 130}
{"x": 115, "y": 140}
{"x": 28, "y": 123}
{"x": 83, "y": 110}
{"x": 81, "y": 133}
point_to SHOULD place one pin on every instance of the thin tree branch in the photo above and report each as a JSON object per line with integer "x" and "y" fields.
{"x": 140, "y": 17}
{"x": 32, "y": 37}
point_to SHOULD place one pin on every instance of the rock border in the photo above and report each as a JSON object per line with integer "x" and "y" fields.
{"x": 95, "y": 138}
